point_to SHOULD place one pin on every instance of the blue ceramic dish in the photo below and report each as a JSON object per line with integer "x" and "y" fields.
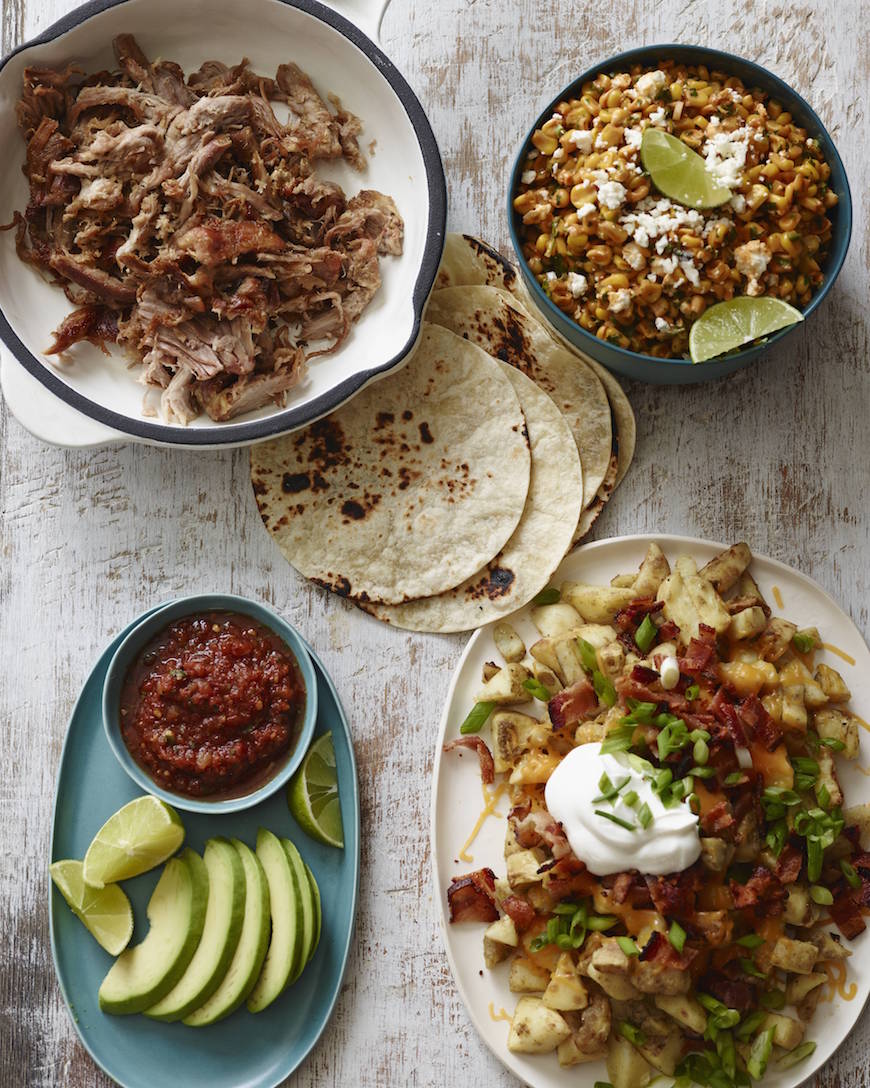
{"x": 254, "y": 1051}
{"x": 142, "y": 632}
{"x": 648, "y": 368}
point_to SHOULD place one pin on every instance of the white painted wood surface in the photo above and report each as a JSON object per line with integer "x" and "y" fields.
{"x": 778, "y": 456}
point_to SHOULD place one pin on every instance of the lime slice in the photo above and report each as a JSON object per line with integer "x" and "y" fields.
{"x": 678, "y": 172}
{"x": 738, "y": 322}
{"x": 313, "y": 794}
{"x": 142, "y": 834}
{"x": 105, "y": 912}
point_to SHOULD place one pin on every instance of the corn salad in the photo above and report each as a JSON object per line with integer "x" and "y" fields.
{"x": 629, "y": 265}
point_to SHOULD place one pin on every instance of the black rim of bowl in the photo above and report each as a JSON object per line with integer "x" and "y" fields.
{"x": 229, "y": 434}
{"x": 710, "y": 57}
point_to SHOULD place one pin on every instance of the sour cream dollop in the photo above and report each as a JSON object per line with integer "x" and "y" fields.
{"x": 668, "y": 845}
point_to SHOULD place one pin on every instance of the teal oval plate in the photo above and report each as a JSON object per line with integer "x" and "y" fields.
{"x": 245, "y": 1050}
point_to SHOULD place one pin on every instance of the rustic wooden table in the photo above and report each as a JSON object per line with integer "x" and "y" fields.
{"x": 778, "y": 455}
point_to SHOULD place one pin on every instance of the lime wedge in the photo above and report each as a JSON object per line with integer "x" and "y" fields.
{"x": 142, "y": 834}
{"x": 678, "y": 172}
{"x": 105, "y": 912}
{"x": 313, "y": 794}
{"x": 737, "y": 322}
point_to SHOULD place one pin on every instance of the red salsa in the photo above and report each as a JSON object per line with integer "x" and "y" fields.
{"x": 213, "y": 706}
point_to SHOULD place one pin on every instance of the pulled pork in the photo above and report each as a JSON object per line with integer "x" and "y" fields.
{"x": 186, "y": 222}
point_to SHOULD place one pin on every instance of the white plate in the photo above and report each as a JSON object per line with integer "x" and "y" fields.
{"x": 456, "y": 803}
{"x": 405, "y": 163}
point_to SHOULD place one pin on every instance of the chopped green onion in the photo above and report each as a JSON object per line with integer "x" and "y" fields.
{"x": 645, "y": 635}
{"x": 617, "y": 740}
{"x": 699, "y": 734}
{"x": 610, "y": 791}
{"x": 692, "y": 692}
{"x": 662, "y": 779}
{"x": 772, "y": 999}
{"x": 566, "y": 908}
{"x": 814, "y": 859}
{"x": 710, "y": 1003}
{"x": 701, "y": 751}
{"x": 641, "y": 713}
{"x": 564, "y": 941}
{"x": 599, "y": 922}
{"x": 803, "y": 642}
{"x": 604, "y": 783}
{"x": 805, "y": 765}
{"x": 537, "y": 689}
{"x": 587, "y": 655}
{"x": 677, "y": 936}
{"x": 733, "y": 779}
{"x": 760, "y": 1053}
{"x": 694, "y": 803}
{"x": 780, "y": 795}
{"x": 823, "y": 796}
{"x": 615, "y": 820}
{"x": 604, "y": 688}
{"x": 852, "y": 878}
{"x": 550, "y": 595}
{"x": 630, "y": 1032}
{"x": 628, "y": 946}
{"x": 832, "y": 743}
{"x": 477, "y": 716}
{"x": 644, "y": 815}
{"x": 821, "y": 895}
{"x": 751, "y": 940}
{"x": 751, "y": 1024}
{"x": 749, "y": 968}
{"x": 702, "y": 772}
{"x": 792, "y": 1057}
{"x": 631, "y": 798}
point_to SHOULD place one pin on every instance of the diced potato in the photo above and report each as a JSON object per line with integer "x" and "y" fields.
{"x": 568, "y": 655}
{"x": 610, "y": 958}
{"x": 828, "y": 776}
{"x": 747, "y": 623}
{"x": 544, "y": 652}
{"x": 796, "y": 672}
{"x": 511, "y": 846}
{"x": 522, "y": 868}
{"x": 569, "y": 1053}
{"x": 595, "y": 1023}
{"x": 860, "y": 816}
{"x": 506, "y": 686}
{"x": 839, "y": 725}
{"x": 725, "y": 569}
{"x": 829, "y": 947}
{"x": 653, "y": 978}
{"x": 597, "y": 604}
{"x": 596, "y": 634}
{"x": 716, "y": 854}
{"x": 613, "y": 985}
{"x": 715, "y": 927}
{"x": 611, "y": 659}
{"x": 626, "y": 1067}
{"x": 833, "y": 685}
{"x": 798, "y": 957}
{"x": 690, "y": 600}
{"x": 685, "y": 1010}
{"x": 664, "y": 1053}
{"x": 799, "y": 986}
{"x": 806, "y": 1009}
{"x": 776, "y": 639}
{"x": 489, "y": 670}
{"x": 504, "y": 931}
{"x": 800, "y": 910}
{"x": 794, "y": 711}
{"x": 535, "y": 1029}
{"x": 508, "y": 642}
{"x": 747, "y": 588}
{"x": 503, "y": 888}
{"x": 547, "y": 677}
{"x": 566, "y": 991}
{"x": 527, "y": 977}
{"x": 540, "y": 898}
{"x": 512, "y": 733}
{"x": 787, "y": 1032}
{"x": 653, "y": 571}
{"x": 623, "y": 581}
{"x": 556, "y": 619}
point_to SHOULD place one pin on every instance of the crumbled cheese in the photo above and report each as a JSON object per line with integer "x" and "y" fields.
{"x": 690, "y": 271}
{"x": 577, "y": 284}
{"x": 528, "y": 177}
{"x": 559, "y": 154}
{"x": 533, "y": 153}
{"x": 712, "y": 224}
{"x": 662, "y": 243}
{"x": 585, "y": 209}
{"x": 657, "y": 218}
{"x": 663, "y": 266}
{"x": 556, "y": 117}
{"x": 551, "y": 276}
{"x": 650, "y": 83}
{"x": 662, "y": 325}
{"x": 641, "y": 236}
{"x": 738, "y": 203}
{"x": 752, "y": 259}
{"x": 658, "y": 117}
{"x": 725, "y": 153}
{"x": 580, "y": 139}
{"x": 633, "y": 256}
{"x": 610, "y": 193}
{"x": 652, "y": 277}
{"x": 619, "y": 301}
{"x": 600, "y": 142}
{"x": 633, "y": 137}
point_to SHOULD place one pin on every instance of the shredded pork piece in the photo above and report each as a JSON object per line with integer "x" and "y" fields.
{"x": 187, "y": 223}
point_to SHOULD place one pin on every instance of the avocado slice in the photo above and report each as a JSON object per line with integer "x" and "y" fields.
{"x": 245, "y": 966}
{"x": 285, "y": 901}
{"x": 220, "y": 934}
{"x": 307, "y": 911}
{"x": 176, "y": 910}
{"x": 318, "y": 912}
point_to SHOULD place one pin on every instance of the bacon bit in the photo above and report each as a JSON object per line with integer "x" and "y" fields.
{"x": 658, "y": 949}
{"x": 471, "y": 898}
{"x": 571, "y": 706}
{"x": 669, "y": 632}
{"x": 718, "y": 820}
{"x": 697, "y": 657}
{"x": 846, "y": 912}
{"x": 622, "y": 885}
{"x": 731, "y": 992}
{"x": 520, "y": 812}
{"x": 568, "y": 876}
{"x": 789, "y": 865}
{"x": 726, "y": 713}
{"x": 761, "y": 726}
{"x": 763, "y": 891}
{"x": 628, "y": 619}
{"x": 642, "y": 675}
{"x": 521, "y": 913}
{"x": 487, "y": 766}
{"x": 675, "y": 894}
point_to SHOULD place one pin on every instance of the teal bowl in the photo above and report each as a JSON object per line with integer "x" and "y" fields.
{"x": 150, "y": 626}
{"x": 649, "y": 368}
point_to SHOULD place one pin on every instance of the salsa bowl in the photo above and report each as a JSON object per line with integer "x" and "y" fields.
{"x": 279, "y": 647}
{"x": 672, "y": 371}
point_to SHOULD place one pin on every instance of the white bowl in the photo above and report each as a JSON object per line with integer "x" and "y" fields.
{"x": 405, "y": 163}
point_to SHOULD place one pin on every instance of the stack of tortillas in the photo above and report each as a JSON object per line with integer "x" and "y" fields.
{"x": 446, "y": 495}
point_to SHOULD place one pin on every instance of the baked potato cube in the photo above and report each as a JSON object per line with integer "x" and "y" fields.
{"x": 809, "y": 635}
{"x": 685, "y": 1010}
{"x": 597, "y": 635}
{"x": 747, "y": 589}
{"x": 806, "y": 1009}
{"x": 747, "y": 623}
{"x": 715, "y": 927}
{"x": 626, "y": 1067}
{"x": 508, "y": 642}
{"x": 590, "y": 732}
{"x": 522, "y": 868}
{"x": 556, "y": 619}
{"x": 489, "y": 670}
{"x": 610, "y": 958}
{"x": 611, "y": 659}
{"x": 569, "y": 1053}
{"x": 540, "y": 898}
{"x": 512, "y": 732}
{"x": 690, "y": 600}
{"x": 623, "y": 581}
{"x": 535, "y": 1029}
{"x": 832, "y": 684}
{"x": 653, "y": 978}
{"x": 595, "y": 1023}
{"x": 725, "y": 569}
{"x": 838, "y": 725}
{"x": 828, "y": 945}
{"x": 798, "y": 987}
{"x": 664, "y": 1052}
{"x": 499, "y": 940}
{"x": 597, "y": 604}
{"x": 544, "y": 652}
{"x": 511, "y": 846}
{"x": 614, "y": 985}
{"x": 794, "y": 712}
{"x": 653, "y": 571}
{"x": 716, "y": 854}
{"x": 776, "y": 638}
{"x": 797, "y": 957}
{"x": 502, "y": 890}
{"x": 800, "y": 910}
{"x": 568, "y": 655}
{"x": 828, "y": 776}
{"x": 566, "y": 991}
{"x": 796, "y": 672}
{"x": 859, "y": 815}
{"x": 547, "y": 677}
{"x": 506, "y": 686}
{"x": 527, "y": 977}
{"x": 787, "y": 1032}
